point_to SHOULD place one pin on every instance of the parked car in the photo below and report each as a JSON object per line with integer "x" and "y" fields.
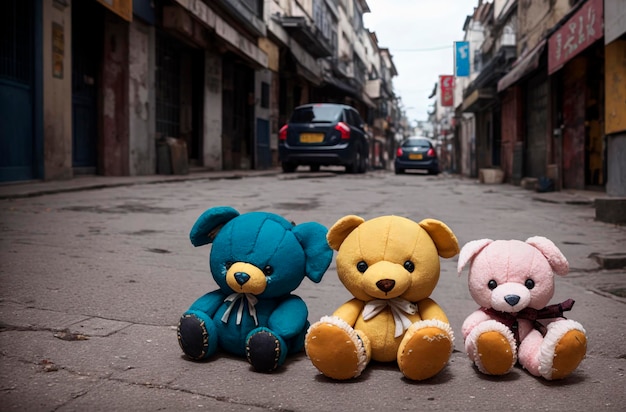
{"x": 416, "y": 153}
{"x": 323, "y": 134}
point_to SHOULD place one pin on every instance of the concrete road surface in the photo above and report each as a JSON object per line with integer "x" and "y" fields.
{"x": 94, "y": 279}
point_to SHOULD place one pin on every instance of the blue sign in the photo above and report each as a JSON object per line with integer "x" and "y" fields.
{"x": 461, "y": 58}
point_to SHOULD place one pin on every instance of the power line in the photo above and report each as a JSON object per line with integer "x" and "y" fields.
{"x": 422, "y": 50}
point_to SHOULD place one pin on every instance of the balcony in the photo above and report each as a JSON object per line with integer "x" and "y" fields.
{"x": 307, "y": 35}
{"x": 482, "y": 92}
{"x": 247, "y": 13}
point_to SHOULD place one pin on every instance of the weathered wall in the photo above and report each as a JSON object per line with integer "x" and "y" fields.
{"x": 212, "y": 135}
{"x": 141, "y": 100}
{"x": 615, "y": 117}
{"x": 114, "y": 145}
{"x": 512, "y": 128}
{"x": 57, "y": 96}
{"x": 535, "y": 18}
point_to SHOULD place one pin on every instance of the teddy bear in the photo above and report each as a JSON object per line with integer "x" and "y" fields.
{"x": 257, "y": 259}
{"x": 390, "y": 264}
{"x": 513, "y": 281}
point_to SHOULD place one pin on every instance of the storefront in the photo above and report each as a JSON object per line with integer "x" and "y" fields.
{"x": 576, "y": 64}
{"x": 21, "y": 145}
{"x": 525, "y": 131}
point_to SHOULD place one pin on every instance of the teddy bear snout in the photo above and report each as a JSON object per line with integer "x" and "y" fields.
{"x": 241, "y": 277}
{"x": 246, "y": 278}
{"x": 386, "y": 284}
{"x": 512, "y": 299}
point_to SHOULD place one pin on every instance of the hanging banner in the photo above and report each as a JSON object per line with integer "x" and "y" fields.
{"x": 578, "y": 33}
{"x": 446, "y": 85}
{"x": 461, "y": 59}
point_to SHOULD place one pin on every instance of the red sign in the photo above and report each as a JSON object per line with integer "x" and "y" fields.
{"x": 446, "y": 84}
{"x": 578, "y": 33}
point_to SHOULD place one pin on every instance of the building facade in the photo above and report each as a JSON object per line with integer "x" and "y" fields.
{"x": 137, "y": 87}
{"x": 555, "y": 108}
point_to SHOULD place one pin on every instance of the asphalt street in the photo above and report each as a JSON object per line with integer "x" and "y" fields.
{"x": 95, "y": 273}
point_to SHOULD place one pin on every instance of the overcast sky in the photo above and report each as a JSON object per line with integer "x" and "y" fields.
{"x": 420, "y": 35}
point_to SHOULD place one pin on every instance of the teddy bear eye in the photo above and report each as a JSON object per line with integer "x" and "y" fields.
{"x": 492, "y": 284}
{"x": 268, "y": 270}
{"x": 228, "y": 265}
{"x": 361, "y": 266}
{"x": 529, "y": 283}
{"x": 408, "y": 265}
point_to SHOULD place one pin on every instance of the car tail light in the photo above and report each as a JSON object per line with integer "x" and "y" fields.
{"x": 282, "y": 134}
{"x": 431, "y": 152}
{"x": 343, "y": 129}
{"x": 399, "y": 152}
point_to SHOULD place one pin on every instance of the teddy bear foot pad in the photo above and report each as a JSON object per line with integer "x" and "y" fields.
{"x": 335, "y": 349}
{"x": 565, "y": 346}
{"x": 193, "y": 337}
{"x": 263, "y": 351}
{"x": 425, "y": 349}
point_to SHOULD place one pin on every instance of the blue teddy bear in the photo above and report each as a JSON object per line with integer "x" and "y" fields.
{"x": 257, "y": 260}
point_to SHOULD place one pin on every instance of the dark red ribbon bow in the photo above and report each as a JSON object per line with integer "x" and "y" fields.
{"x": 549, "y": 312}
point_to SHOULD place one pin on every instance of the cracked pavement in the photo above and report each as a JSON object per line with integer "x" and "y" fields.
{"x": 93, "y": 282}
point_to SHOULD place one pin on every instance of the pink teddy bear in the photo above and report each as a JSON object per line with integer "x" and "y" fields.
{"x": 513, "y": 282}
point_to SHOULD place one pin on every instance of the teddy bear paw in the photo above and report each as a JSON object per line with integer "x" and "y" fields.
{"x": 492, "y": 347}
{"x": 562, "y": 350}
{"x": 336, "y": 349}
{"x": 425, "y": 349}
{"x": 193, "y": 336}
{"x": 264, "y": 350}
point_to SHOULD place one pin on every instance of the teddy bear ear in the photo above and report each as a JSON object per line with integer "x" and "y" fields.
{"x": 555, "y": 258}
{"x": 341, "y": 229}
{"x": 445, "y": 241}
{"x": 469, "y": 252}
{"x": 209, "y": 224}
{"x": 312, "y": 238}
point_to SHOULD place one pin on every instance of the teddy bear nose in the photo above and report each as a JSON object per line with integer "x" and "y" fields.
{"x": 512, "y": 299}
{"x": 242, "y": 277}
{"x": 385, "y": 284}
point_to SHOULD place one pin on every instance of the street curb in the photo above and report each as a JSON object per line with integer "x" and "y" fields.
{"x": 39, "y": 188}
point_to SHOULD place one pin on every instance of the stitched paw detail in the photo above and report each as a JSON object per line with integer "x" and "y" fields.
{"x": 193, "y": 337}
{"x": 263, "y": 351}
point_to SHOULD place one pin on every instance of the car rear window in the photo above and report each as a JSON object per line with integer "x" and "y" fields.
{"x": 416, "y": 143}
{"x": 316, "y": 114}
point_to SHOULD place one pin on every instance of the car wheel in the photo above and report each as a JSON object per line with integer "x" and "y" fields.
{"x": 289, "y": 167}
{"x": 353, "y": 167}
{"x": 399, "y": 171}
{"x": 315, "y": 168}
{"x": 363, "y": 163}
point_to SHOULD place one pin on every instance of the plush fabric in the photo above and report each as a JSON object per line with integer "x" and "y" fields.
{"x": 512, "y": 282}
{"x": 390, "y": 264}
{"x": 257, "y": 259}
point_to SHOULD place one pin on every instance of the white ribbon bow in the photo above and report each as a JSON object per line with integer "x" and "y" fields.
{"x": 233, "y": 298}
{"x": 399, "y": 309}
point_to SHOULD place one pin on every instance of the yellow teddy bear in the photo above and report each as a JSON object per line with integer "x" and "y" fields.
{"x": 390, "y": 264}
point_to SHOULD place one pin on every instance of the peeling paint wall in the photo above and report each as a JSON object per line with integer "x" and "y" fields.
{"x": 141, "y": 100}
{"x": 57, "y": 97}
{"x": 535, "y": 18}
{"x": 212, "y": 135}
{"x": 114, "y": 149}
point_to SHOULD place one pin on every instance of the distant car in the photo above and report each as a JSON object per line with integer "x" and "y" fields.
{"x": 416, "y": 153}
{"x": 323, "y": 134}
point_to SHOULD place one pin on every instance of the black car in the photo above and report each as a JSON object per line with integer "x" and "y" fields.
{"x": 416, "y": 153}
{"x": 323, "y": 134}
